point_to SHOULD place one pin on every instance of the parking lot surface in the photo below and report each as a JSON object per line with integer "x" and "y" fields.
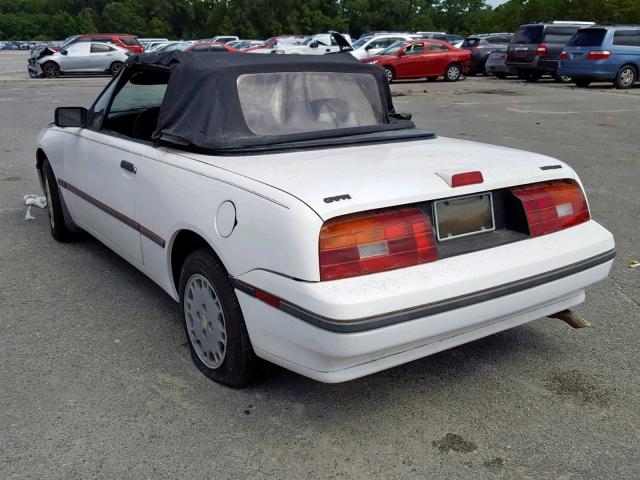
{"x": 96, "y": 378}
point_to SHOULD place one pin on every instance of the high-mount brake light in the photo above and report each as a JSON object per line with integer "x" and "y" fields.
{"x": 541, "y": 51}
{"x": 552, "y": 206}
{"x": 466, "y": 178}
{"x": 375, "y": 241}
{"x": 598, "y": 55}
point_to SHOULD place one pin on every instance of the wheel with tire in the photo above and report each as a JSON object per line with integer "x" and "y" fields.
{"x": 115, "y": 68}
{"x": 452, "y": 73}
{"x": 59, "y": 229}
{"x": 626, "y": 77}
{"x": 562, "y": 79}
{"x": 390, "y": 74}
{"x": 531, "y": 77}
{"x": 501, "y": 76}
{"x": 51, "y": 69}
{"x": 581, "y": 83}
{"x": 213, "y": 321}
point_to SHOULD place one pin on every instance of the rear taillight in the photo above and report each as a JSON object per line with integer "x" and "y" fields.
{"x": 552, "y": 206}
{"x": 598, "y": 55}
{"x": 375, "y": 241}
{"x": 564, "y": 55}
{"x": 541, "y": 51}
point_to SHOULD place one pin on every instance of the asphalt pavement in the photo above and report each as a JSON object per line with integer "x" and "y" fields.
{"x": 96, "y": 380}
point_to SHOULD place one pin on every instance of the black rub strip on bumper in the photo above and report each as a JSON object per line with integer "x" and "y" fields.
{"x": 378, "y": 321}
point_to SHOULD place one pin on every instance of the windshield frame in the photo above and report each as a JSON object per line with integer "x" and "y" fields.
{"x": 394, "y": 47}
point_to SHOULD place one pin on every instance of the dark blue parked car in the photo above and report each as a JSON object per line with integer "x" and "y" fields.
{"x": 597, "y": 54}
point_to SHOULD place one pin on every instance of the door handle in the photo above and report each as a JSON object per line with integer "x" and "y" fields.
{"x": 128, "y": 166}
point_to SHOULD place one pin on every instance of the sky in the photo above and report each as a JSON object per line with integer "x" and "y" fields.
{"x": 495, "y": 3}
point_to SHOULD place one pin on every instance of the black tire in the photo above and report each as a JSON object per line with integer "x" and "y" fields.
{"x": 581, "y": 83}
{"x": 432, "y": 79}
{"x": 51, "y": 70}
{"x": 391, "y": 75}
{"x": 501, "y": 76}
{"x": 115, "y": 68}
{"x": 452, "y": 73}
{"x": 240, "y": 363}
{"x": 531, "y": 77}
{"x": 59, "y": 229}
{"x": 626, "y": 77}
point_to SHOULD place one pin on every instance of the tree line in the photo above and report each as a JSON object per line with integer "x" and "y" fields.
{"x": 191, "y": 19}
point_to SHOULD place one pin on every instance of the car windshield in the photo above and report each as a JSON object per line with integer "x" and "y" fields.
{"x": 359, "y": 43}
{"x": 287, "y": 103}
{"x": 587, "y": 38}
{"x": 393, "y": 48}
{"x": 528, "y": 34}
{"x": 68, "y": 41}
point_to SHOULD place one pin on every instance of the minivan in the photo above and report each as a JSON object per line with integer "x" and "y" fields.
{"x": 610, "y": 54}
{"x": 535, "y": 48}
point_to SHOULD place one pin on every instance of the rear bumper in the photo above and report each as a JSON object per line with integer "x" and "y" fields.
{"x": 336, "y": 331}
{"x": 537, "y": 65}
{"x": 592, "y": 72}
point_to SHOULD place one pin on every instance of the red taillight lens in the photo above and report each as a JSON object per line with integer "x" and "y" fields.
{"x": 552, "y": 206}
{"x": 564, "y": 56}
{"x": 598, "y": 55}
{"x": 374, "y": 242}
{"x": 541, "y": 51}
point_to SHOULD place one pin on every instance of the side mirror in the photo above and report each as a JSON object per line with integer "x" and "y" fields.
{"x": 314, "y": 44}
{"x": 401, "y": 53}
{"x": 71, "y": 117}
{"x": 63, "y": 51}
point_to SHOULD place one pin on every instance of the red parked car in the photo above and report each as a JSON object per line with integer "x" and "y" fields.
{"x": 428, "y": 59}
{"x": 206, "y": 46}
{"x": 130, "y": 42}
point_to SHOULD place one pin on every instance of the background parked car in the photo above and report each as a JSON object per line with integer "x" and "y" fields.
{"x": 224, "y": 38}
{"x": 369, "y": 46}
{"x": 128, "y": 42}
{"x": 275, "y": 43}
{"x": 206, "y": 46}
{"x": 496, "y": 65}
{"x": 428, "y": 59}
{"x": 82, "y": 57}
{"x": 535, "y": 48}
{"x": 318, "y": 44}
{"x": 481, "y": 46}
{"x": 603, "y": 54}
{"x": 10, "y": 46}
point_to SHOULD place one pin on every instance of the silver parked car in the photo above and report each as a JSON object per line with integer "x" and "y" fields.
{"x": 82, "y": 57}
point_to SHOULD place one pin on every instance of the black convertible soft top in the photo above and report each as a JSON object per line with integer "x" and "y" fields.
{"x": 202, "y": 108}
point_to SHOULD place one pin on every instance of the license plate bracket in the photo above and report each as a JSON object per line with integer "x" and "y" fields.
{"x": 463, "y": 216}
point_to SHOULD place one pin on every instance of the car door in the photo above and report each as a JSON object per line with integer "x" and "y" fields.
{"x": 411, "y": 63}
{"x": 76, "y": 58}
{"x": 436, "y": 60}
{"x": 101, "y": 56}
{"x": 102, "y": 175}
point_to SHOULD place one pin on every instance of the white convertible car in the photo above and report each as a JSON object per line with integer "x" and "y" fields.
{"x": 299, "y": 219}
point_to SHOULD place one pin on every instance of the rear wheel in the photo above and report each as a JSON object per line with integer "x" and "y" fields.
{"x": 562, "y": 79}
{"x": 581, "y": 83}
{"x": 452, "y": 73}
{"x": 51, "y": 69}
{"x": 531, "y": 77}
{"x": 390, "y": 74}
{"x": 626, "y": 77}
{"x": 115, "y": 68}
{"x": 213, "y": 321}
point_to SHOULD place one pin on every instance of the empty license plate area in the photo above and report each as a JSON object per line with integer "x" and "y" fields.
{"x": 463, "y": 216}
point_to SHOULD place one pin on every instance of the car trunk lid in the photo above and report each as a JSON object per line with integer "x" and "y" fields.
{"x": 339, "y": 181}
